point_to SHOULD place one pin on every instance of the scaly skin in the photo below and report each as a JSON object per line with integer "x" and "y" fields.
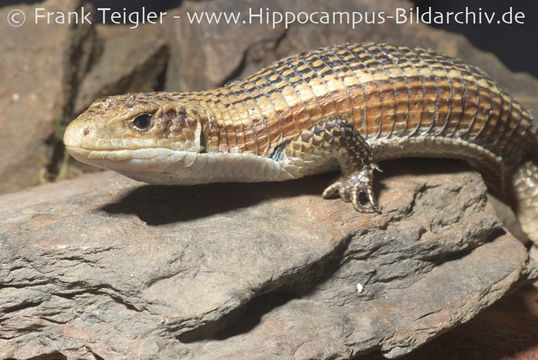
{"x": 342, "y": 105}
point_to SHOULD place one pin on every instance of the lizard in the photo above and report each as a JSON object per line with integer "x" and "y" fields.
{"x": 346, "y": 106}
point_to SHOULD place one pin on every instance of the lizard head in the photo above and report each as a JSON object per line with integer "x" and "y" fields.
{"x": 136, "y": 133}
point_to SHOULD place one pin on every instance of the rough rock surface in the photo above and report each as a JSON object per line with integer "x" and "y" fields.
{"x": 128, "y": 60}
{"x": 39, "y": 66}
{"x": 505, "y": 331}
{"x": 207, "y": 55}
{"x": 105, "y": 267}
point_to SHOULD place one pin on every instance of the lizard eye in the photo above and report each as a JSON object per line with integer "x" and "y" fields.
{"x": 142, "y": 122}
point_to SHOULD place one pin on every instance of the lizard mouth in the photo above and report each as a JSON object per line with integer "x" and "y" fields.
{"x": 87, "y": 154}
{"x": 143, "y": 160}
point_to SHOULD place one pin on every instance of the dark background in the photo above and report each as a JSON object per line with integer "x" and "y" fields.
{"x": 515, "y": 45}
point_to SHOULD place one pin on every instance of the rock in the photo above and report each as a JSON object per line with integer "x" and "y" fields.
{"x": 40, "y": 66}
{"x": 207, "y": 55}
{"x": 506, "y": 330}
{"x": 508, "y": 218}
{"x": 105, "y": 267}
{"x": 204, "y": 55}
{"x": 130, "y": 60}
{"x": 52, "y": 72}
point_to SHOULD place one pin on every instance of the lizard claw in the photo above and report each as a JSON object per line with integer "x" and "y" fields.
{"x": 350, "y": 188}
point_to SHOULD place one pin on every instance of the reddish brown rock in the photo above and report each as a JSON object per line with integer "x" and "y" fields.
{"x": 103, "y": 266}
{"x": 130, "y": 60}
{"x": 505, "y": 331}
{"x": 39, "y": 70}
{"x": 205, "y": 55}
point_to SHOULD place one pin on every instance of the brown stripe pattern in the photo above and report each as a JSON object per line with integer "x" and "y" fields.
{"x": 385, "y": 91}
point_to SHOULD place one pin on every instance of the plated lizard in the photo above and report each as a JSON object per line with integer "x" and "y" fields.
{"x": 349, "y": 106}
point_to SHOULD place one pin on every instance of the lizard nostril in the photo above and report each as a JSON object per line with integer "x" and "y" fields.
{"x": 86, "y": 132}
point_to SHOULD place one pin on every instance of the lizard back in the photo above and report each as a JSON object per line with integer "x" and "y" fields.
{"x": 387, "y": 92}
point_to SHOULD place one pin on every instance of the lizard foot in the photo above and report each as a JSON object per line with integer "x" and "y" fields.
{"x": 350, "y": 187}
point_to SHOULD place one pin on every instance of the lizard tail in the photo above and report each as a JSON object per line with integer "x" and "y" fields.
{"x": 525, "y": 198}
{"x": 524, "y": 191}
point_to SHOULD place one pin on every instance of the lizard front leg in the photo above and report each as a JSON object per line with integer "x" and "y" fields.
{"x": 336, "y": 139}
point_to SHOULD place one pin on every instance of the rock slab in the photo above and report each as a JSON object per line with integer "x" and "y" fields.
{"x": 105, "y": 267}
